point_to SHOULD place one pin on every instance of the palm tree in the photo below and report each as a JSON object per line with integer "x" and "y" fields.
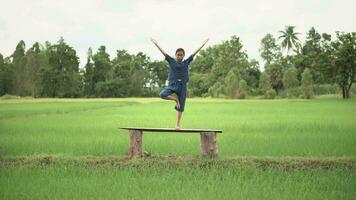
{"x": 290, "y": 39}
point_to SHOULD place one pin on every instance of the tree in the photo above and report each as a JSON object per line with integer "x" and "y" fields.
{"x": 270, "y": 94}
{"x": 307, "y": 84}
{"x": 275, "y": 72}
{"x": 2, "y": 76}
{"x": 289, "y": 38}
{"x": 198, "y": 84}
{"x": 122, "y": 71}
{"x": 139, "y": 74}
{"x": 19, "y": 73}
{"x": 158, "y": 71}
{"x": 252, "y": 73}
{"x": 242, "y": 93}
{"x": 265, "y": 83}
{"x": 232, "y": 84}
{"x": 202, "y": 76}
{"x": 34, "y": 61}
{"x": 217, "y": 90}
{"x": 102, "y": 65}
{"x": 230, "y": 55}
{"x": 213, "y": 64}
{"x": 89, "y": 84}
{"x": 62, "y": 78}
{"x": 316, "y": 55}
{"x": 345, "y": 61}
{"x": 290, "y": 80}
{"x": 270, "y": 51}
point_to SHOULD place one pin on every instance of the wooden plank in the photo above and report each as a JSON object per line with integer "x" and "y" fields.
{"x": 172, "y": 130}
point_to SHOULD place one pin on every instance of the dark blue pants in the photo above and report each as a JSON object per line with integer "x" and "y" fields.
{"x": 178, "y": 87}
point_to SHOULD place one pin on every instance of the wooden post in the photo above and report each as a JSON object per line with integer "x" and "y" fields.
{"x": 135, "y": 149}
{"x": 208, "y": 145}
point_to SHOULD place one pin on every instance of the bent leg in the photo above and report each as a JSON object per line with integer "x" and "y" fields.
{"x": 168, "y": 94}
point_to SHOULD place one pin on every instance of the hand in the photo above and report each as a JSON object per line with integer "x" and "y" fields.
{"x": 153, "y": 40}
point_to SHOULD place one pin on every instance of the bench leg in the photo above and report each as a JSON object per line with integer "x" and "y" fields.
{"x": 208, "y": 146}
{"x": 135, "y": 149}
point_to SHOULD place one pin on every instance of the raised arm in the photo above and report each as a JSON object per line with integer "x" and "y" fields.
{"x": 155, "y": 42}
{"x": 200, "y": 47}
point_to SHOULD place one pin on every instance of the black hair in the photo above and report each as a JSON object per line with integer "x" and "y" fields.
{"x": 180, "y": 49}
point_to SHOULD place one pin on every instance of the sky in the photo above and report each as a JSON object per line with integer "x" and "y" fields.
{"x": 119, "y": 24}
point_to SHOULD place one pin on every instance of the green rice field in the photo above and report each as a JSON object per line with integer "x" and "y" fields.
{"x": 269, "y": 149}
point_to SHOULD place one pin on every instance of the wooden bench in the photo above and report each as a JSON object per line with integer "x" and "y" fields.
{"x": 208, "y": 144}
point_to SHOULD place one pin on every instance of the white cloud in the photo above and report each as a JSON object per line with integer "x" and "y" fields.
{"x": 174, "y": 23}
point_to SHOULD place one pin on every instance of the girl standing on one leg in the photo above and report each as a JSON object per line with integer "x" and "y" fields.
{"x": 177, "y": 78}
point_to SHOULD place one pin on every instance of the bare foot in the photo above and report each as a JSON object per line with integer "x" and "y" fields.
{"x": 177, "y": 105}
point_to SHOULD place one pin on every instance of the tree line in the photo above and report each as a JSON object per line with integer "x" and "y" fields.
{"x": 291, "y": 69}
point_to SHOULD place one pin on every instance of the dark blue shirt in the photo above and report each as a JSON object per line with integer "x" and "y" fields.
{"x": 178, "y": 70}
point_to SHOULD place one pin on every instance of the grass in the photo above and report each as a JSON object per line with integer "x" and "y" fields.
{"x": 61, "y": 182}
{"x": 270, "y": 149}
{"x": 321, "y": 127}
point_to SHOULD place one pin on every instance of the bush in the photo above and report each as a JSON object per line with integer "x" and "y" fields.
{"x": 297, "y": 92}
{"x": 320, "y": 89}
{"x": 254, "y": 91}
{"x": 242, "y": 92}
{"x": 231, "y": 84}
{"x": 264, "y": 83}
{"x": 307, "y": 84}
{"x": 270, "y": 94}
{"x": 353, "y": 89}
{"x": 8, "y": 96}
{"x": 217, "y": 90}
{"x": 290, "y": 81}
{"x": 112, "y": 88}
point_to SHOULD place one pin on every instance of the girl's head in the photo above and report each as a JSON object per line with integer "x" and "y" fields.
{"x": 180, "y": 54}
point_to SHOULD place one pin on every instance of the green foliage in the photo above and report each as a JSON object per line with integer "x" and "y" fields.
{"x": 290, "y": 81}
{"x": 112, "y": 88}
{"x": 157, "y": 72}
{"x": 243, "y": 88}
{"x": 270, "y": 51}
{"x": 61, "y": 78}
{"x": 231, "y": 56}
{"x": 265, "y": 83}
{"x": 289, "y": 39}
{"x": 18, "y": 69}
{"x": 8, "y": 96}
{"x": 353, "y": 89}
{"x": 320, "y": 89}
{"x": 345, "y": 66}
{"x": 232, "y": 84}
{"x": 307, "y": 84}
{"x": 275, "y": 72}
{"x": 2, "y": 76}
{"x": 88, "y": 75}
{"x": 270, "y": 94}
{"x": 103, "y": 67}
{"x": 52, "y": 70}
{"x": 198, "y": 84}
{"x": 217, "y": 90}
{"x": 316, "y": 55}
{"x": 252, "y": 74}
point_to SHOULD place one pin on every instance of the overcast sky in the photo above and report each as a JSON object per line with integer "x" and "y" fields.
{"x": 173, "y": 23}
